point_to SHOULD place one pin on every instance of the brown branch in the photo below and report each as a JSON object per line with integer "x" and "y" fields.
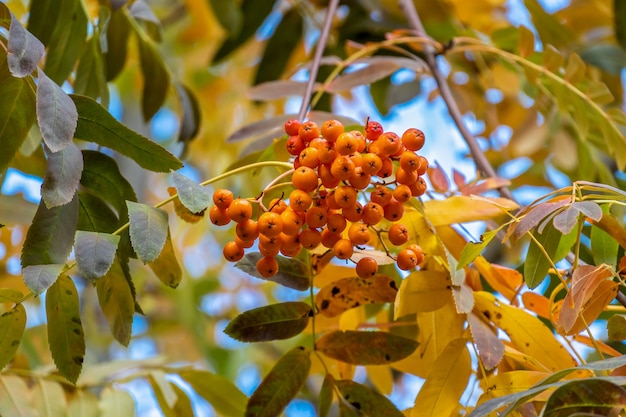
{"x": 319, "y": 50}
{"x": 444, "y": 90}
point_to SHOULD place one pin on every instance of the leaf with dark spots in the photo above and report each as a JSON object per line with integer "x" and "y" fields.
{"x": 24, "y": 50}
{"x": 292, "y": 272}
{"x": 366, "y": 400}
{"x": 347, "y": 293}
{"x": 382, "y": 347}
{"x": 166, "y": 266}
{"x": 117, "y": 302}
{"x": 273, "y": 322}
{"x": 12, "y": 325}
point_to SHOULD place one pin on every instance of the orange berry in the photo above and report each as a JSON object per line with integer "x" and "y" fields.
{"x": 304, "y": 178}
{"x": 295, "y": 145}
{"x": 359, "y": 234}
{"x": 267, "y": 266}
{"x": 381, "y": 195}
{"x": 292, "y": 222}
{"x": 371, "y": 163}
{"x": 423, "y": 166}
{"x": 270, "y": 224}
{"x": 270, "y": 242}
{"x": 387, "y": 168}
{"x": 398, "y": 234}
{"x": 413, "y": 139}
{"x": 329, "y": 238}
{"x": 402, "y": 193}
{"x": 336, "y": 223}
{"x": 406, "y": 260}
{"x": 219, "y": 217}
{"x": 343, "y": 249}
{"x": 345, "y": 196}
{"x": 327, "y": 177}
{"x": 372, "y": 213}
{"x": 409, "y": 161}
{"x": 290, "y": 242}
{"x": 418, "y": 188}
{"x": 309, "y": 157}
{"x": 356, "y": 158}
{"x": 291, "y": 252}
{"x": 269, "y": 251}
{"x": 373, "y": 130}
{"x": 222, "y": 198}
{"x": 346, "y": 143}
{"x": 394, "y": 210}
{"x": 367, "y": 267}
{"x": 389, "y": 143}
{"x": 353, "y": 213}
{"x": 331, "y": 129}
{"x": 292, "y": 126}
{"x": 359, "y": 180}
{"x": 325, "y": 150}
{"x": 243, "y": 244}
{"x": 309, "y": 131}
{"x": 342, "y": 167}
{"x": 310, "y": 238}
{"x": 247, "y": 230}
{"x": 240, "y": 210}
{"x": 331, "y": 203}
{"x": 277, "y": 205}
{"x": 316, "y": 217}
{"x": 232, "y": 252}
{"x": 405, "y": 177}
{"x": 417, "y": 250}
{"x": 300, "y": 200}
{"x": 361, "y": 144}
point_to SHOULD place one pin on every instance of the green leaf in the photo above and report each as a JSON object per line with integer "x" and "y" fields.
{"x": 472, "y": 249}
{"x": 141, "y": 11}
{"x": 619, "y": 22}
{"x": 56, "y": 114}
{"x": 50, "y": 237}
{"x": 49, "y": 398}
{"x": 254, "y": 13}
{"x": 365, "y": 400}
{"x": 220, "y": 392}
{"x": 24, "y": 50}
{"x": 17, "y": 111}
{"x": 272, "y": 322}
{"x": 39, "y": 278}
{"x": 190, "y": 118}
{"x": 166, "y": 266}
{"x": 172, "y": 400}
{"x": 616, "y": 326}
{"x": 9, "y": 295}
{"x": 325, "y": 398}
{"x": 90, "y": 74}
{"x": 445, "y": 383}
{"x": 610, "y": 58}
{"x": 526, "y": 44}
{"x": 148, "y": 230}
{"x": 12, "y": 325}
{"x": 14, "y": 209}
{"x": 118, "y": 31}
{"x": 382, "y": 347}
{"x": 63, "y": 174}
{"x": 589, "y": 397}
{"x": 13, "y": 391}
{"x": 536, "y": 266}
{"x": 193, "y": 196}
{"x": 115, "y": 403}
{"x": 117, "y": 302}
{"x": 102, "y": 177}
{"x": 65, "y": 330}
{"x": 95, "y": 253}
{"x": 67, "y": 40}
{"x": 280, "y": 46}
{"x": 551, "y": 29}
{"x": 94, "y": 215}
{"x": 603, "y": 247}
{"x": 95, "y": 124}
{"x": 292, "y": 273}
{"x": 83, "y": 404}
{"x": 229, "y": 15}
{"x": 42, "y": 18}
{"x": 281, "y": 384}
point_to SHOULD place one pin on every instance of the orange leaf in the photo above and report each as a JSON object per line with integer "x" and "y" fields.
{"x": 463, "y": 209}
{"x": 505, "y": 280}
{"x": 438, "y": 178}
{"x": 591, "y": 309}
{"x": 537, "y": 303}
{"x": 604, "y": 348}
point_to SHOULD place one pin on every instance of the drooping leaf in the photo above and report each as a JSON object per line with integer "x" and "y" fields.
{"x": 566, "y": 220}
{"x": 190, "y": 119}
{"x": 49, "y": 398}
{"x": 281, "y": 384}
{"x": 526, "y": 44}
{"x": 148, "y": 230}
{"x": 115, "y": 403}
{"x": 17, "y": 111}
{"x": 94, "y": 215}
{"x": 287, "y": 35}
{"x": 603, "y": 246}
{"x": 67, "y": 40}
{"x": 229, "y": 15}
{"x": 50, "y": 237}
{"x": 24, "y": 50}
{"x": 166, "y": 266}
{"x": 142, "y": 12}
{"x": 193, "y": 196}
{"x": 83, "y": 404}
{"x": 472, "y": 249}
{"x": 382, "y": 347}
{"x": 95, "y": 252}
{"x": 422, "y": 291}
{"x": 102, "y": 177}
{"x": 156, "y": 77}
{"x": 374, "y": 71}
{"x": 463, "y": 297}
{"x": 590, "y": 397}
{"x": 39, "y": 278}
{"x": 42, "y": 19}
{"x": 220, "y": 392}
{"x": 537, "y": 303}
{"x": 445, "y": 383}
{"x": 118, "y": 31}
{"x": 63, "y": 174}
{"x": 461, "y": 209}
{"x": 278, "y": 89}
{"x": 272, "y": 322}
{"x": 117, "y": 302}
{"x": 490, "y": 347}
{"x": 325, "y": 398}
{"x": 56, "y": 114}
{"x": 292, "y": 272}
{"x": 15, "y": 397}
{"x": 347, "y": 293}
{"x": 95, "y": 124}
{"x": 537, "y": 265}
{"x": 65, "y": 330}
{"x": 12, "y": 325}
{"x": 365, "y": 400}
{"x": 183, "y": 212}
{"x": 162, "y": 388}
{"x": 91, "y": 72}
{"x": 537, "y": 213}
{"x": 616, "y": 326}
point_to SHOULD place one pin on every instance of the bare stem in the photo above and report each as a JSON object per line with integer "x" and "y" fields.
{"x": 444, "y": 90}
{"x": 319, "y": 50}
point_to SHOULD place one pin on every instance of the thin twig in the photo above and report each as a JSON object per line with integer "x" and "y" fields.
{"x": 444, "y": 90}
{"x": 319, "y": 50}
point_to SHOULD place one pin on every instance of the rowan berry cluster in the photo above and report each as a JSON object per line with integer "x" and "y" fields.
{"x": 349, "y": 189}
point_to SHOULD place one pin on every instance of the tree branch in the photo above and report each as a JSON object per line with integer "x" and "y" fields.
{"x": 319, "y": 50}
{"x": 444, "y": 90}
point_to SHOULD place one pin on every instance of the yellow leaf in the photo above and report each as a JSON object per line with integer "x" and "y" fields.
{"x": 422, "y": 232}
{"x": 510, "y": 382}
{"x": 381, "y": 377}
{"x": 527, "y": 333}
{"x": 504, "y": 280}
{"x": 422, "y": 291}
{"x": 440, "y": 394}
{"x": 331, "y": 273}
{"x": 463, "y": 209}
{"x": 347, "y": 293}
{"x": 351, "y": 319}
